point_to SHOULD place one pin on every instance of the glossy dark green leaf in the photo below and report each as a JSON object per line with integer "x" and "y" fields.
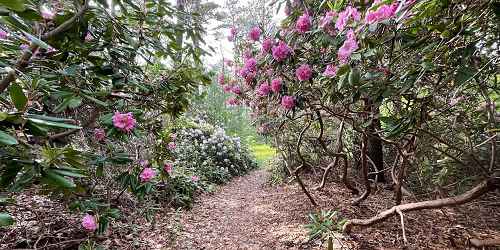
{"x": 18, "y": 97}
{"x": 6, "y": 220}
{"x": 7, "y": 139}
{"x": 53, "y": 178}
{"x": 16, "y": 5}
{"x": 53, "y": 124}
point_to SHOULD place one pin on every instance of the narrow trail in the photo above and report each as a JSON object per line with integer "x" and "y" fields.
{"x": 249, "y": 214}
{"x": 245, "y": 214}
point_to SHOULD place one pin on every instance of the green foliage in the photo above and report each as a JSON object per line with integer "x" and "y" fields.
{"x": 324, "y": 222}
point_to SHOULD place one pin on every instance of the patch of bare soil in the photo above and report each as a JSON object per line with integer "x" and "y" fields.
{"x": 249, "y": 214}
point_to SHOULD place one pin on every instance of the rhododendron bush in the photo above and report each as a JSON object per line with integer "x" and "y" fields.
{"x": 391, "y": 91}
{"x": 203, "y": 153}
{"x": 83, "y": 86}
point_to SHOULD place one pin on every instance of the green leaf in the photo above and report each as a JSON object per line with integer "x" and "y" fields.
{"x": 6, "y": 220}
{"x": 49, "y": 118}
{"x": 95, "y": 100}
{"x": 65, "y": 172}
{"x": 53, "y": 178}
{"x": 18, "y": 97}
{"x": 54, "y": 124}
{"x": 7, "y": 139}
{"x": 36, "y": 41}
{"x": 354, "y": 77}
{"x": 16, "y": 5}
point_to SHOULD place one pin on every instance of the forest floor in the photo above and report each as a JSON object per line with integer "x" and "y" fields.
{"x": 249, "y": 213}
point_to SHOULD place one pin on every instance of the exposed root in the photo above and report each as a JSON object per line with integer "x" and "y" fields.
{"x": 482, "y": 188}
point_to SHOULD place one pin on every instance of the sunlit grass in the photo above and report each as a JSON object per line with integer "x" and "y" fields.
{"x": 262, "y": 152}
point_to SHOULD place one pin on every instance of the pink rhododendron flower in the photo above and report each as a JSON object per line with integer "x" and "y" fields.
{"x": 232, "y": 101}
{"x": 89, "y": 223}
{"x": 24, "y": 46}
{"x": 147, "y": 174}
{"x": 124, "y": 122}
{"x": 3, "y": 34}
{"x": 48, "y": 14}
{"x": 99, "y": 134}
{"x": 303, "y": 72}
{"x": 254, "y": 34}
{"x": 344, "y": 16}
{"x": 276, "y": 85}
{"x": 264, "y": 89}
{"x": 171, "y": 145}
{"x": 250, "y": 65}
{"x": 288, "y": 102}
{"x": 88, "y": 37}
{"x": 173, "y": 136}
{"x": 227, "y": 88}
{"x": 220, "y": 79}
{"x": 195, "y": 178}
{"x": 382, "y": 13}
{"x": 350, "y": 45}
{"x": 267, "y": 44}
{"x": 236, "y": 90}
{"x": 168, "y": 168}
{"x": 327, "y": 19}
{"x": 281, "y": 51}
{"x": 303, "y": 23}
{"x": 232, "y": 34}
{"x": 330, "y": 71}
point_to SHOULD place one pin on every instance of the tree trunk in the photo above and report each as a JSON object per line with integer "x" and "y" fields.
{"x": 374, "y": 145}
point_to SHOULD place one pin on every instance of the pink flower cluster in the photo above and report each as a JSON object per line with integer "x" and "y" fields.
{"x": 88, "y": 37}
{"x": 327, "y": 19}
{"x": 232, "y": 101}
{"x": 281, "y": 51}
{"x": 171, "y": 145}
{"x": 276, "y": 85}
{"x": 350, "y": 45}
{"x": 124, "y": 122}
{"x": 99, "y": 134}
{"x": 330, "y": 71}
{"x": 382, "y": 13}
{"x": 303, "y": 72}
{"x": 288, "y": 102}
{"x": 3, "y": 34}
{"x": 236, "y": 90}
{"x": 264, "y": 89}
{"x": 48, "y": 14}
{"x": 344, "y": 17}
{"x": 89, "y": 223}
{"x": 303, "y": 24}
{"x": 232, "y": 34}
{"x": 147, "y": 174}
{"x": 220, "y": 79}
{"x": 254, "y": 34}
{"x": 168, "y": 168}
{"x": 267, "y": 44}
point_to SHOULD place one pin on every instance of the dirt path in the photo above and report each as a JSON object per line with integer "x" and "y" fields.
{"x": 249, "y": 214}
{"x": 245, "y": 214}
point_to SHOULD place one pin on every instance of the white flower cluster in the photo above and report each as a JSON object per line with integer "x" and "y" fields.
{"x": 207, "y": 151}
